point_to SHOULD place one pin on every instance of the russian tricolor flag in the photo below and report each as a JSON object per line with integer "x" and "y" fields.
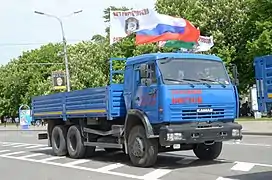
{"x": 164, "y": 28}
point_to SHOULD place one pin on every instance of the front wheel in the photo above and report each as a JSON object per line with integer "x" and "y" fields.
{"x": 208, "y": 152}
{"x": 142, "y": 151}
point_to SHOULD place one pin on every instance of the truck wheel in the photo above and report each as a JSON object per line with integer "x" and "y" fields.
{"x": 75, "y": 143}
{"x": 142, "y": 151}
{"x": 58, "y": 140}
{"x": 208, "y": 152}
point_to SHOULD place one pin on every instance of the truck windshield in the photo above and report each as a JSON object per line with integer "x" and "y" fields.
{"x": 193, "y": 71}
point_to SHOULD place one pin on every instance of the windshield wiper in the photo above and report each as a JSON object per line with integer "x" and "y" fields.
{"x": 167, "y": 60}
{"x": 211, "y": 80}
{"x": 196, "y": 80}
{"x": 177, "y": 80}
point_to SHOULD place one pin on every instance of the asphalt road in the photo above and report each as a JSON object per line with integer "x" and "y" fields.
{"x": 23, "y": 157}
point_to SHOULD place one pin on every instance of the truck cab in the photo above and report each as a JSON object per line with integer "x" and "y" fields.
{"x": 187, "y": 100}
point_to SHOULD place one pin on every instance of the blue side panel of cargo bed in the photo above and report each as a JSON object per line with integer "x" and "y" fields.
{"x": 263, "y": 75}
{"x": 90, "y": 102}
{"x": 93, "y": 102}
{"x": 48, "y": 107}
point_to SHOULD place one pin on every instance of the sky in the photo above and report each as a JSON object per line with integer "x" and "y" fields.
{"x": 21, "y": 29}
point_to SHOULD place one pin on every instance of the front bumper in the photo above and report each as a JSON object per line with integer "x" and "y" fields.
{"x": 193, "y": 133}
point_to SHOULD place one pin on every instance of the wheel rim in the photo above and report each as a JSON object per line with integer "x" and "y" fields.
{"x": 73, "y": 142}
{"x": 138, "y": 148}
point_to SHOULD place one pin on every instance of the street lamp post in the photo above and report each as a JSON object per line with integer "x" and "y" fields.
{"x": 64, "y": 43}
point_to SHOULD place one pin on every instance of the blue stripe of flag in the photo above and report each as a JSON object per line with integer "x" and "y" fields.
{"x": 161, "y": 29}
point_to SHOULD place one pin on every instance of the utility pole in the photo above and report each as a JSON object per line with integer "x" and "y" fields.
{"x": 64, "y": 44}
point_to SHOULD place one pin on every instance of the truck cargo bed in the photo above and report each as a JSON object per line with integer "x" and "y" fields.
{"x": 92, "y": 102}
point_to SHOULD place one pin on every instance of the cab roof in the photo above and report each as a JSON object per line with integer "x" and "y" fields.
{"x": 155, "y": 56}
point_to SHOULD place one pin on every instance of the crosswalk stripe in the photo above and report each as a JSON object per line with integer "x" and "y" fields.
{"x": 156, "y": 174}
{"x": 110, "y": 167}
{"x": 222, "y": 178}
{"x": 73, "y": 163}
{"x": 11, "y": 144}
{"x": 32, "y": 155}
{"x": 21, "y": 145}
{"x": 52, "y": 158}
{"x": 13, "y": 153}
{"x": 5, "y": 150}
{"x": 242, "y": 166}
{"x": 36, "y": 146}
{"x": 45, "y": 148}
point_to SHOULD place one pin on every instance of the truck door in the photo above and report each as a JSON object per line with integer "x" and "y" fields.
{"x": 146, "y": 90}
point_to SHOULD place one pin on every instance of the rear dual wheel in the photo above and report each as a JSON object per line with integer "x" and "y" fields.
{"x": 75, "y": 144}
{"x": 58, "y": 140}
{"x": 69, "y": 142}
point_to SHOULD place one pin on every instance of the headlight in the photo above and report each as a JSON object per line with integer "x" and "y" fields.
{"x": 174, "y": 136}
{"x": 236, "y": 132}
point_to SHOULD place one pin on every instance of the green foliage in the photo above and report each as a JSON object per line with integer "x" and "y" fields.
{"x": 241, "y": 30}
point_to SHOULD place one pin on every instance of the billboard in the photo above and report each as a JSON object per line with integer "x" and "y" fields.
{"x": 25, "y": 117}
{"x": 59, "y": 80}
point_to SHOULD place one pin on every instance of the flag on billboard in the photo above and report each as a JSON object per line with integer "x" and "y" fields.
{"x": 150, "y": 27}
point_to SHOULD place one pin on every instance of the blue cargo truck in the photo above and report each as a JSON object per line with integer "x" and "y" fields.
{"x": 263, "y": 77}
{"x": 168, "y": 102}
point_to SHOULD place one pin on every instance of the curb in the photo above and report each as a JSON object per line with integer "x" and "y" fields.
{"x": 258, "y": 133}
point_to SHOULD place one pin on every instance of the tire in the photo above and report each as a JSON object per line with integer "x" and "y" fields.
{"x": 148, "y": 155}
{"x": 58, "y": 140}
{"x": 208, "y": 152}
{"x": 75, "y": 143}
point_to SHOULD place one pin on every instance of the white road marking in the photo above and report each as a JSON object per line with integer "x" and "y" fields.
{"x": 247, "y": 144}
{"x": 1, "y": 151}
{"x": 242, "y": 166}
{"x": 73, "y": 163}
{"x": 45, "y": 148}
{"x": 156, "y": 174}
{"x": 35, "y": 146}
{"x": 52, "y": 158}
{"x": 31, "y": 155}
{"x": 110, "y": 167}
{"x": 222, "y": 178}
{"x": 13, "y": 153}
{"x": 79, "y": 168}
{"x": 11, "y": 144}
{"x": 256, "y": 164}
{"x": 21, "y": 145}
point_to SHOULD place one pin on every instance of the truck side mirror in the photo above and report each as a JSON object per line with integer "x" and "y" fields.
{"x": 143, "y": 70}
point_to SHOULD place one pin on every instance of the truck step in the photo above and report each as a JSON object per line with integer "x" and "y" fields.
{"x": 104, "y": 145}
